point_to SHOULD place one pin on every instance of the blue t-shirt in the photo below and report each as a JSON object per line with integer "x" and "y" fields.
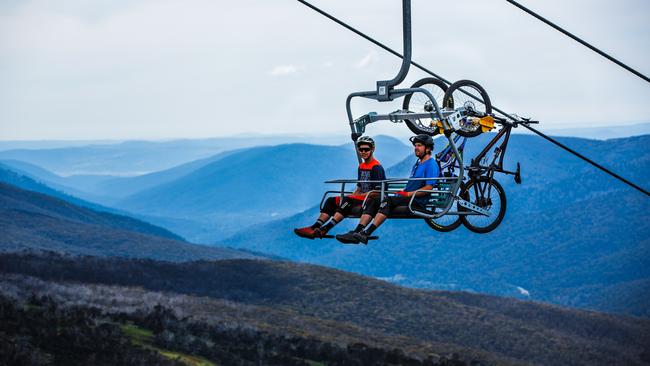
{"x": 428, "y": 169}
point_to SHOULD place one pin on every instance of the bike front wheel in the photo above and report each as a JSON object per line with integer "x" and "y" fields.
{"x": 471, "y": 96}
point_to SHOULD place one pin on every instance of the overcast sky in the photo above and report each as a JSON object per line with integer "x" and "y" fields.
{"x": 109, "y": 69}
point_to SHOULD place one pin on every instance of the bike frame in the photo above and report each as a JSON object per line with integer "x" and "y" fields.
{"x": 496, "y": 165}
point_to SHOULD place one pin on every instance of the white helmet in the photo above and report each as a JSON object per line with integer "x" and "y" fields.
{"x": 366, "y": 140}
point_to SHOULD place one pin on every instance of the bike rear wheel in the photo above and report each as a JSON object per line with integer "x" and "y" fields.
{"x": 445, "y": 223}
{"x": 488, "y": 194}
{"x": 477, "y": 102}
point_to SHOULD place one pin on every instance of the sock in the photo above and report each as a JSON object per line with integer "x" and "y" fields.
{"x": 317, "y": 224}
{"x": 359, "y": 228}
{"x": 370, "y": 229}
{"x": 329, "y": 225}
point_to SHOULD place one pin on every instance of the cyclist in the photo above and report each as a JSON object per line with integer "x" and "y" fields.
{"x": 425, "y": 167}
{"x": 334, "y": 209}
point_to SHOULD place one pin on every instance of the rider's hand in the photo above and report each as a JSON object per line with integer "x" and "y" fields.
{"x": 402, "y": 193}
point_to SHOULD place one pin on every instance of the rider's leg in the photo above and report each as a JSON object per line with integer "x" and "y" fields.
{"x": 336, "y": 218}
{"x": 369, "y": 211}
{"x": 311, "y": 232}
{"x": 378, "y": 220}
{"x": 382, "y": 214}
{"x": 342, "y": 211}
{"x": 329, "y": 208}
{"x": 363, "y": 222}
{"x": 322, "y": 218}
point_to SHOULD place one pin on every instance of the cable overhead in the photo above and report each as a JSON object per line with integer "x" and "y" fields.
{"x": 368, "y": 38}
{"x": 588, "y": 160}
{"x": 579, "y": 40}
{"x": 390, "y": 50}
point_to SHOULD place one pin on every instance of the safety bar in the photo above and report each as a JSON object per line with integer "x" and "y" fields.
{"x": 385, "y": 190}
{"x": 322, "y": 201}
{"x": 358, "y": 126}
{"x": 444, "y": 211}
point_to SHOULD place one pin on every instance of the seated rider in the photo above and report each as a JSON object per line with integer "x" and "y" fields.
{"x": 333, "y": 209}
{"x": 425, "y": 167}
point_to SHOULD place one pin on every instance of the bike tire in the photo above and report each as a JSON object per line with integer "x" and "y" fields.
{"x": 475, "y": 189}
{"x": 454, "y": 97}
{"x": 437, "y": 88}
{"x": 446, "y": 223}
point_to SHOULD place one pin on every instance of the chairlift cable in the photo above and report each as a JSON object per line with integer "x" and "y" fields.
{"x": 388, "y": 49}
{"x": 579, "y": 40}
{"x": 586, "y": 159}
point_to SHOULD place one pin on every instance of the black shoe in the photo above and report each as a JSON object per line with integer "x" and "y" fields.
{"x": 362, "y": 237}
{"x": 348, "y": 238}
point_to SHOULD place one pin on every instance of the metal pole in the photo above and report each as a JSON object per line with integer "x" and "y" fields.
{"x": 384, "y": 87}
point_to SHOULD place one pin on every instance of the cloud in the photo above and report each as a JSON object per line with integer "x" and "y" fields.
{"x": 282, "y": 70}
{"x": 369, "y": 58}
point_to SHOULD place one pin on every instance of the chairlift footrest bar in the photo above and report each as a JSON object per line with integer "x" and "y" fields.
{"x": 374, "y": 237}
{"x": 473, "y": 207}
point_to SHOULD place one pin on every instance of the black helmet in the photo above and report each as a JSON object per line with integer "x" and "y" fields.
{"x": 366, "y": 140}
{"x": 424, "y": 139}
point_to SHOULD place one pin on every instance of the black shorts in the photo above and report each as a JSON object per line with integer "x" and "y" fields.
{"x": 390, "y": 203}
{"x": 332, "y": 206}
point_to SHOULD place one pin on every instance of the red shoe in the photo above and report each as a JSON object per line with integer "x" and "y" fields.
{"x": 320, "y": 233}
{"x": 305, "y": 232}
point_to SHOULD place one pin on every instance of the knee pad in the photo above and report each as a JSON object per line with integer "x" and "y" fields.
{"x": 330, "y": 206}
{"x": 384, "y": 207}
{"x": 372, "y": 206}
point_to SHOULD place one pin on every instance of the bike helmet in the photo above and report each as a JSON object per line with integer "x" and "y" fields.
{"x": 366, "y": 140}
{"x": 424, "y": 139}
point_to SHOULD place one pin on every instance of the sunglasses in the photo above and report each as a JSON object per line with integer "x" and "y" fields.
{"x": 364, "y": 149}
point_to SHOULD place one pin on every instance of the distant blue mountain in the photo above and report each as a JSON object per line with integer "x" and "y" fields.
{"x": 107, "y": 189}
{"x": 17, "y": 180}
{"x": 572, "y": 235}
{"x": 77, "y": 186}
{"x": 130, "y": 158}
{"x": 249, "y": 187}
{"x": 123, "y": 159}
{"x": 120, "y": 187}
{"x": 35, "y": 221}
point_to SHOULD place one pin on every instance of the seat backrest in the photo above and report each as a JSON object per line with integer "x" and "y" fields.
{"x": 437, "y": 200}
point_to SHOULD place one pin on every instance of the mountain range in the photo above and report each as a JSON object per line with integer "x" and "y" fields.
{"x": 551, "y": 246}
{"x": 572, "y": 236}
{"x": 297, "y": 301}
{"x": 35, "y": 221}
{"x": 137, "y": 157}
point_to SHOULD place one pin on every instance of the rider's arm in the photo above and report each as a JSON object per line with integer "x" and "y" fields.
{"x": 419, "y": 194}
